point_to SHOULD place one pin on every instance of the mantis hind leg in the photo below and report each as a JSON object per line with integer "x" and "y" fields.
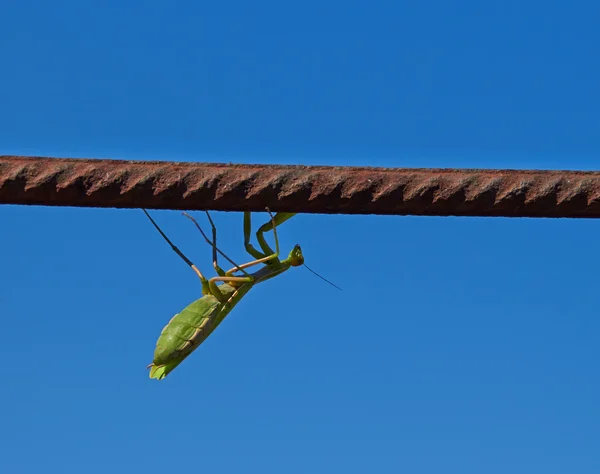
{"x": 203, "y": 280}
{"x": 208, "y": 286}
{"x": 279, "y": 219}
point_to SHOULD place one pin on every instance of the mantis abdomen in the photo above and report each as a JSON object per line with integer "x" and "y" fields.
{"x": 189, "y": 328}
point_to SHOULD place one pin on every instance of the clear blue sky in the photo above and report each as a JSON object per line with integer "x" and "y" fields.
{"x": 459, "y": 345}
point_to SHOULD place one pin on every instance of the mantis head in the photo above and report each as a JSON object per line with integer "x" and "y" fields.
{"x": 296, "y": 258}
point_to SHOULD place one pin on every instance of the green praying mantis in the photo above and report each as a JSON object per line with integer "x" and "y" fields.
{"x": 190, "y": 328}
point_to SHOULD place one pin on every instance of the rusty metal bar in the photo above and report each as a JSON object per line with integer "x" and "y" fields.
{"x": 306, "y": 189}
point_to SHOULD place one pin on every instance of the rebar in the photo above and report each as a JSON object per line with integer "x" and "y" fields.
{"x": 302, "y": 189}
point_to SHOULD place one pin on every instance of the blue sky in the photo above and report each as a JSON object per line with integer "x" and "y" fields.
{"x": 460, "y": 345}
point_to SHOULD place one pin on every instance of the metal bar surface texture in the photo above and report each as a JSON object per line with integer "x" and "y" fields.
{"x": 302, "y": 189}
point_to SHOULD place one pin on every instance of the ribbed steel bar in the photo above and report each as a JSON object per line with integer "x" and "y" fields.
{"x": 305, "y": 189}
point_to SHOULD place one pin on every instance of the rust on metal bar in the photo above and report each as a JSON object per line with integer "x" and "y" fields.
{"x": 302, "y": 189}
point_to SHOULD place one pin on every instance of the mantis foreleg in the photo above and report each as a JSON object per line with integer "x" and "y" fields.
{"x": 247, "y": 231}
{"x": 279, "y": 219}
{"x": 262, "y": 258}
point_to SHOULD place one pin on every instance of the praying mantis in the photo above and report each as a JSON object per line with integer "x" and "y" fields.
{"x": 190, "y": 328}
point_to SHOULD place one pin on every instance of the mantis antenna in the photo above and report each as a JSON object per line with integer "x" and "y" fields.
{"x": 322, "y": 278}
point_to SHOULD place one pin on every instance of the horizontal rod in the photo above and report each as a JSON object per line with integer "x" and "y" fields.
{"x": 302, "y": 189}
